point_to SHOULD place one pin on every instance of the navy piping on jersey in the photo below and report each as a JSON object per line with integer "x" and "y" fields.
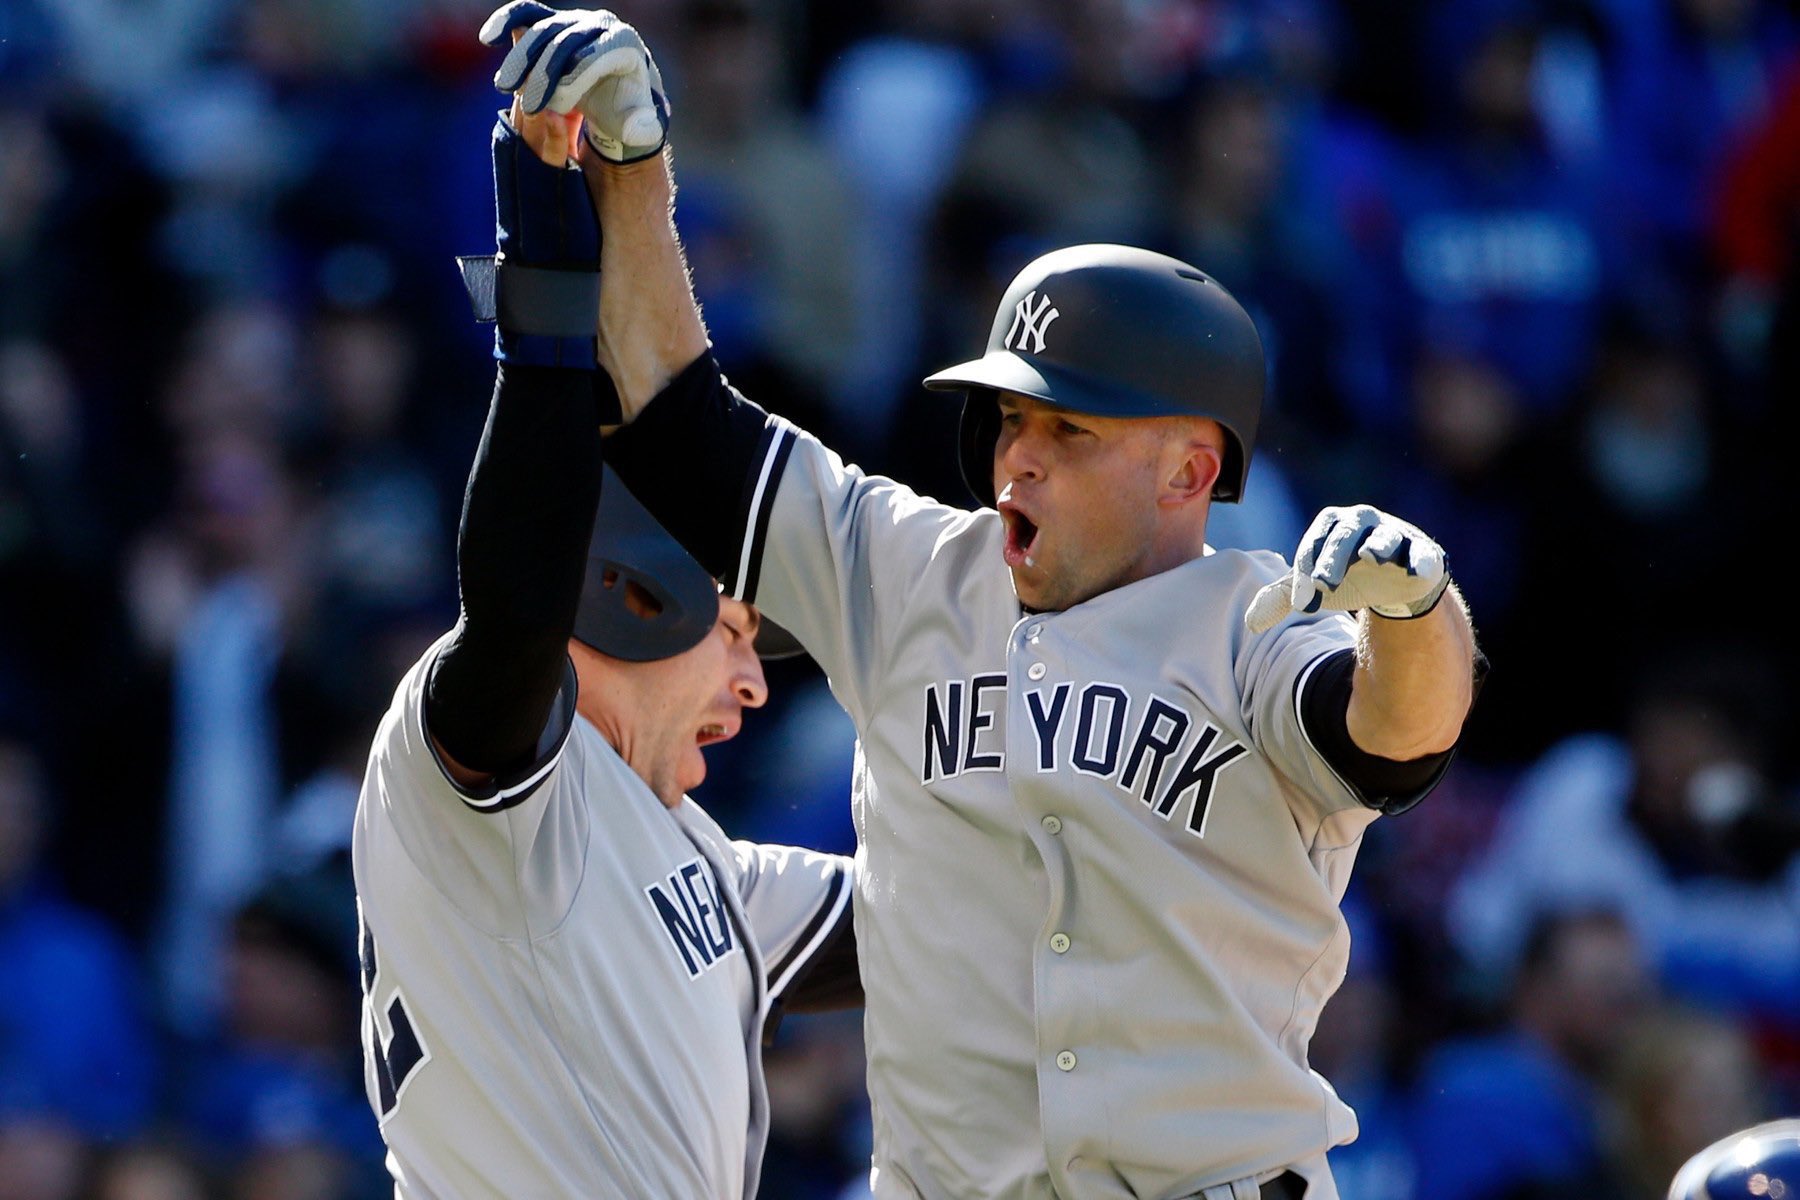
{"x": 515, "y": 787}
{"x": 832, "y": 913}
{"x": 781, "y": 437}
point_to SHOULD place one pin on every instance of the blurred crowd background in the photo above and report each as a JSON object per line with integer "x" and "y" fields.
{"x": 1529, "y": 275}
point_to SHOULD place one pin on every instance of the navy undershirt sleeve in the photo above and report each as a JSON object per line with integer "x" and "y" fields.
{"x": 521, "y": 552}
{"x": 1384, "y": 784}
{"x": 692, "y": 456}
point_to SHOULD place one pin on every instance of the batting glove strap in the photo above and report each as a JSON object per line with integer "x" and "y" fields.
{"x": 543, "y": 288}
{"x": 540, "y": 300}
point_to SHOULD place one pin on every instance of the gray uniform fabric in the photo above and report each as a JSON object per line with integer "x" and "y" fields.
{"x": 564, "y": 995}
{"x": 1101, "y": 859}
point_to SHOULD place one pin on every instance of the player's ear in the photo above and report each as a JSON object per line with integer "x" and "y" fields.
{"x": 1194, "y": 466}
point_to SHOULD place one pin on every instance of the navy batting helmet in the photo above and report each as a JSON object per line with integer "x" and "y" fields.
{"x": 677, "y": 603}
{"x": 1760, "y": 1163}
{"x": 1117, "y": 332}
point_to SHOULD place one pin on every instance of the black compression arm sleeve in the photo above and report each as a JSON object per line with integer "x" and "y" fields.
{"x": 702, "y": 423}
{"x": 1384, "y": 784}
{"x": 521, "y": 552}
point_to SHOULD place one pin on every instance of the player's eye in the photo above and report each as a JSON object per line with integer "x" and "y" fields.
{"x": 1010, "y": 418}
{"x": 1069, "y": 428}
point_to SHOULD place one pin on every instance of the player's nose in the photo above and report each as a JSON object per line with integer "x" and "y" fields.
{"x": 1019, "y": 452}
{"x": 747, "y": 681}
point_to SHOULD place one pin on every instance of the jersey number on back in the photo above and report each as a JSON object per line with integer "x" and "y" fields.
{"x": 398, "y": 1055}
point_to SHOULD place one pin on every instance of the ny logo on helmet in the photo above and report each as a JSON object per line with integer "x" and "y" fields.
{"x": 1031, "y": 321}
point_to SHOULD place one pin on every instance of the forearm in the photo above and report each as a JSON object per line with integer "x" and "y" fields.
{"x": 650, "y": 326}
{"x": 1414, "y": 681}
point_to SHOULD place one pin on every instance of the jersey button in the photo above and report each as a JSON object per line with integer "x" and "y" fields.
{"x": 1052, "y": 825}
{"x": 1065, "y": 1061}
{"x": 1035, "y": 671}
{"x": 1059, "y": 942}
{"x": 1032, "y": 631}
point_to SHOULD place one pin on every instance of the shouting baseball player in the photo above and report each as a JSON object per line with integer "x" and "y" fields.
{"x": 1110, "y": 783}
{"x": 567, "y": 968}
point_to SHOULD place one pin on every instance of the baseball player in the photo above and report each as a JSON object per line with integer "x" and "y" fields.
{"x": 567, "y": 968}
{"x": 1110, "y": 784}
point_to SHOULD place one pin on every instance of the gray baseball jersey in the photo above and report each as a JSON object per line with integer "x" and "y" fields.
{"x": 565, "y": 982}
{"x": 1101, "y": 860}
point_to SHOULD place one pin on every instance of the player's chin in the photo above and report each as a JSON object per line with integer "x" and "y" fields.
{"x": 1048, "y": 592}
{"x": 1035, "y": 586}
{"x": 1027, "y": 587}
{"x": 690, "y": 773}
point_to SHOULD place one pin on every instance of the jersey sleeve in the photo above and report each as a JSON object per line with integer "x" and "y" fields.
{"x": 1273, "y": 670}
{"x": 507, "y": 855}
{"x": 843, "y": 560}
{"x": 798, "y": 903}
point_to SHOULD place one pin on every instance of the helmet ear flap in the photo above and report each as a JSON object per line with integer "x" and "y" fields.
{"x": 975, "y": 442}
{"x": 1229, "y": 488}
{"x": 643, "y": 597}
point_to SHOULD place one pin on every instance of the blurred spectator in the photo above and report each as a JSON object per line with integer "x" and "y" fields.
{"x": 1518, "y": 1108}
{"x": 40, "y": 1159}
{"x": 752, "y": 167}
{"x": 54, "y": 579}
{"x": 214, "y": 585}
{"x": 1691, "y": 77}
{"x": 1063, "y": 162}
{"x": 377, "y": 519}
{"x": 1756, "y": 225}
{"x": 1675, "y": 827}
{"x": 1233, "y": 215}
{"x": 1407, "y": 876}
{"x": 1060, "y": 157}
{"x": 1682, "y": 1081}
{"x": 818, "y": 1109}
{"x": 1647, "y": 461}
{"x": 31, "y": 173}
{"x": 1230, "y": 218}
{"x": 277, "y": 1102}
{"x": 147, "y": 1171}
{"x": 125, "y": 52}
{"x": 1499, "y": 251}
{"x": 1356, "y": 1047}
{"x": 76, "y": 1066}
{"x": 303, "y": 1172}
{"x": 895, "y": 109}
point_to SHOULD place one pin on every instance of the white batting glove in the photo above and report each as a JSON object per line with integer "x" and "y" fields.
{"x": 1351, "y": 558}
{"x": 586, "y": 60}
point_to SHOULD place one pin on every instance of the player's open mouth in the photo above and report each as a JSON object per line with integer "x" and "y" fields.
{"x": 1021, "y": 537}
{"x": 711, "y": 733}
